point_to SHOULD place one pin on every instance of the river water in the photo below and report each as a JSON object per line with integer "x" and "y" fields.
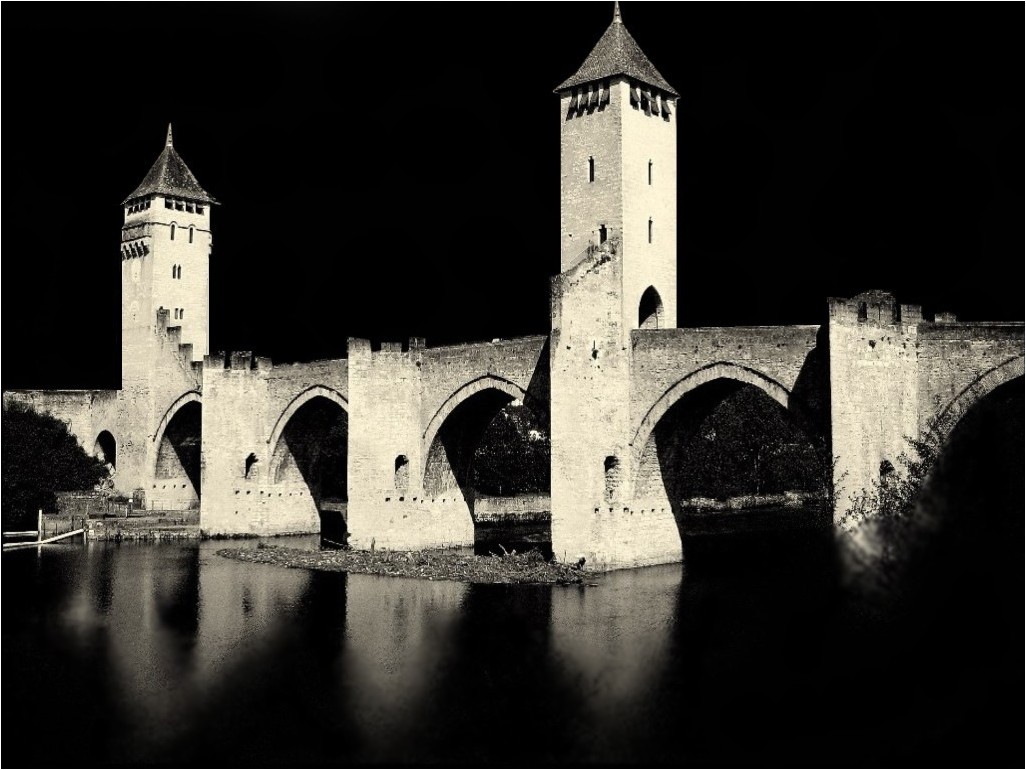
{"x": 757, "y": 653}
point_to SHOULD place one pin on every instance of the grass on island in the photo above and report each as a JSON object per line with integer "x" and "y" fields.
{"x": 509, "y": 567}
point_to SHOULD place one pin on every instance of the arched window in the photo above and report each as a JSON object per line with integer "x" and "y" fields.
{"x": 591, "y": 168}
{"x": 603, "y": 233}
{"x": 191, "y": 231}
{"x": 650, "y": 310}
{"x": 176, "y": 314}
{"x": 612, "y": 470}
{"x": 863, "y": 311}
{"x": 105, "y": 449}
{"x": 650, "y": 229}
{"x": 172, "y": 232}
{"x": 650, "y": 172}
{"x": 402, "y": 473}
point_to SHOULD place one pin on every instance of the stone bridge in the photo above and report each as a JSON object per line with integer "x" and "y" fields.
{"x": 387, "y": 437}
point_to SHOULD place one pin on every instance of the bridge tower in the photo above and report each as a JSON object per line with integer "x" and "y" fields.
{"x": 618, "y": 173}
{"x": 165, "y": 254}
{"x": 618, "y": 202}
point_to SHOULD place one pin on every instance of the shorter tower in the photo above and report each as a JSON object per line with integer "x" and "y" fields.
{"x": 165, "y": 254}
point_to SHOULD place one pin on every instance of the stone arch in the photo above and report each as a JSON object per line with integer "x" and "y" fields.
{"x": 715, "y": 371}
{"x": 106, "y": 446}
{"x": 296, "y": 404}
{"x": 461, "y": 394}
{"x": 462, "y": 426}
{"x": 650, "y": 310}
{"x": 177, "y": 463}
{"x": 309, "y": 453}
{"x": 948, "y": 417}
{"x": 186, "y": 398}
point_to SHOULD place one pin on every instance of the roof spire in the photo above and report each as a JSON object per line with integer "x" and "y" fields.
{"x": 170, "y": 177}
{"x": 617, "y": 53}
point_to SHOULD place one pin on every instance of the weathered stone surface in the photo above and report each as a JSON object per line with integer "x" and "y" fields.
{"x": 601, "y": 381}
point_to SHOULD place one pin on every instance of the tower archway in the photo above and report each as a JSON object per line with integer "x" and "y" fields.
{"x": 650, "y": 310}
{"x": 176, "y": 484}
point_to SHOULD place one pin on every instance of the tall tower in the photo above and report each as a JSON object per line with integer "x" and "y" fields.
{"x": 165, "y": 253}
{"x": 618, "y": 177}
{"x": 618, "y": 173}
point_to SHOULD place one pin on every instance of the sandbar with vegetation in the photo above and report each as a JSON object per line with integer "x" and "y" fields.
{"x": 512, "y": 567}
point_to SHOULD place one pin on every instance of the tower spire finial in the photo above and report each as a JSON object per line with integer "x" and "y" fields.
{"x": 170, "y": 138}
{"x": 616, "y": 12}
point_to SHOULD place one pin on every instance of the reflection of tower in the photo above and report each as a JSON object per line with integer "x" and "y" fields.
{"x": 618, "y": 200}
{"x": 618, "y": 173}
{"x": 165, "y": 252}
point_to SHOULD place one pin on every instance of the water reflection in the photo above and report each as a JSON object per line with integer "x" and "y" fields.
{"x": 755, "y": 654}
{"x": 398, "y": 640}
{"x": 613, "y": 643}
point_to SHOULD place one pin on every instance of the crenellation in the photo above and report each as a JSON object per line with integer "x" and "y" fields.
{"x": 240, "y": 360}
{"x": 241, "y": 436}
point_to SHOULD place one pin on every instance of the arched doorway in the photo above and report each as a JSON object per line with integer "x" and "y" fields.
{"x": 309, "y": 463}
{"x": 105, "y": 449}
{"x": 650, "y": 310}
{"x": 493, "y": 450}
{"x": 177, "y": 475}
{"x": 727, "y": 454}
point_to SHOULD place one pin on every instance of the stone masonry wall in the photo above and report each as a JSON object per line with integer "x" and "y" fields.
{"x": 385, "y": 391}
{"x": 246, "y": 402}
{"x": 590, "y": 387}
{"x": 648, "y": 138}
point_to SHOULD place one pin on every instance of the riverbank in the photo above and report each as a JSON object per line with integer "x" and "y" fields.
{"x": 514, "y": 567}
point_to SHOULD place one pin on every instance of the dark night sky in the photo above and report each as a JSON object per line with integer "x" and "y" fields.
{"x": 392, "y": 170}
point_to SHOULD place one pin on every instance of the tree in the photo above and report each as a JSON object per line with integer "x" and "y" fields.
{"x": 513, "y": 456}
{"x": 40, "y": 457}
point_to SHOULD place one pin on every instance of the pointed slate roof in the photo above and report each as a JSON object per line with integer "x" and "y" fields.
{"x": 617, "y": 53}
{"x": 170, "y": 176}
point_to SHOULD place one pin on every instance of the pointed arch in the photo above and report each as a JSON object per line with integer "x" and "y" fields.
{"x": 650, "y": 310}
{"x": 461, "y": 394}
{"x": 106, "y": 448}
{"x": 186, "y": 398}
{"x": 714, "y": 371}
{"x": 948, "y": 417}
{"x": 296, "y": 403}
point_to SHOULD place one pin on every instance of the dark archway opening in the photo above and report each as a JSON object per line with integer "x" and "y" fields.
{"x": 728, "y": 457}
{"x": 972, "y": 500}
{"x": 313, "y": 450}
{"x": 951, "y": 576}
{"x": 495, "y": 451}
{"x": 177, "y": 476}
{"x": 650, "y": 310}
{"x": 105, "y": 449}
